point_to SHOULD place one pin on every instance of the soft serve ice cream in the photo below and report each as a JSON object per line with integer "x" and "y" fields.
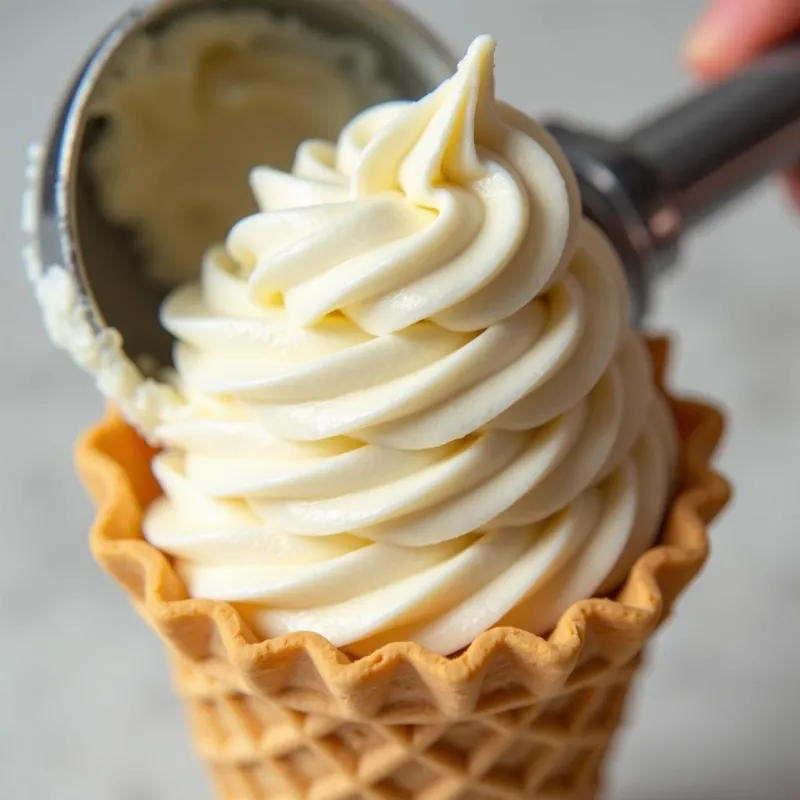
{"x": 415, "y": 407}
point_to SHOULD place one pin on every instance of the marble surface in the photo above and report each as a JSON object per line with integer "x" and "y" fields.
{"x": 86, "y": 712}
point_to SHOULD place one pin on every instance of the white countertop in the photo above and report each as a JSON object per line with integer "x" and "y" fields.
{"x": 85, "y": 708}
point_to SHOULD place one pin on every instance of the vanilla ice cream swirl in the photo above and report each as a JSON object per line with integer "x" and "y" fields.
{"x": 415, "y": 408}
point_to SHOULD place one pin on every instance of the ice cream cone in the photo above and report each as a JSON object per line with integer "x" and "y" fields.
{"x": 255, "y": 747}
{"x": 513, "y": 715}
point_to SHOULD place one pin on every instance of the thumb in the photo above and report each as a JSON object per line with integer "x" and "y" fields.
{"x": 794, "y": 185}
{"x": 732, "y": 32}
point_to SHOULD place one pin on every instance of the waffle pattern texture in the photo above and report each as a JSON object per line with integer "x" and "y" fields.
{"x": 257, "y": 748}
{"x": 512, "y": 715}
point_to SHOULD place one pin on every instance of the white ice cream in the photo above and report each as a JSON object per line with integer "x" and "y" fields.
{"x": 415, "y": 405}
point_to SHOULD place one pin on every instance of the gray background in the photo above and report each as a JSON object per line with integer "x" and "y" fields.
{"x": 85, "y": 707}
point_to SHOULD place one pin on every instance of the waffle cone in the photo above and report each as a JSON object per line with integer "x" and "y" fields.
{"x": 513, "y": 715}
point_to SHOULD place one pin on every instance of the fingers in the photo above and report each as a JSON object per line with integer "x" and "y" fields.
{"x": 794, "y": 185}
{"x": 732, "y": 32}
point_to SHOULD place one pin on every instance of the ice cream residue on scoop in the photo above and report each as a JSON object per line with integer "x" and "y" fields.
{"x": 189, "y": 111}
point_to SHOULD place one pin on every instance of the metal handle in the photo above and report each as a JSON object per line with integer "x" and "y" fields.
{"x": 714, "y": 146}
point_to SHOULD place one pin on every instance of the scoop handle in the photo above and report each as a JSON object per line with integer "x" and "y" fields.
{"x": 711, "y": 148}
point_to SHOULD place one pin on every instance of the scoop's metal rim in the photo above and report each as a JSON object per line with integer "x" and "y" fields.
{"x": 57, "y": 225}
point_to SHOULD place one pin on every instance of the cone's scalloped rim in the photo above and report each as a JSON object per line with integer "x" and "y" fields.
{"x": 114, "y": 463}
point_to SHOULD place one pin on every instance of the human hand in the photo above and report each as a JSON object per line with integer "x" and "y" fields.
{"x": 732, "y": 32}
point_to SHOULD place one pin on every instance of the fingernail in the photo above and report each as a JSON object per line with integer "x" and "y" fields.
{"x": 704, "y": 37}
{"x": 713, "y": 33}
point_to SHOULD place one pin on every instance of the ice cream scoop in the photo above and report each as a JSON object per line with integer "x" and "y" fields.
{"x": 645, "y": 187}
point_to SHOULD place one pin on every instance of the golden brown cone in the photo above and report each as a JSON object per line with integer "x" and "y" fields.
{"x": 255, "y": 748}
{"x": 402, "y": 683}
